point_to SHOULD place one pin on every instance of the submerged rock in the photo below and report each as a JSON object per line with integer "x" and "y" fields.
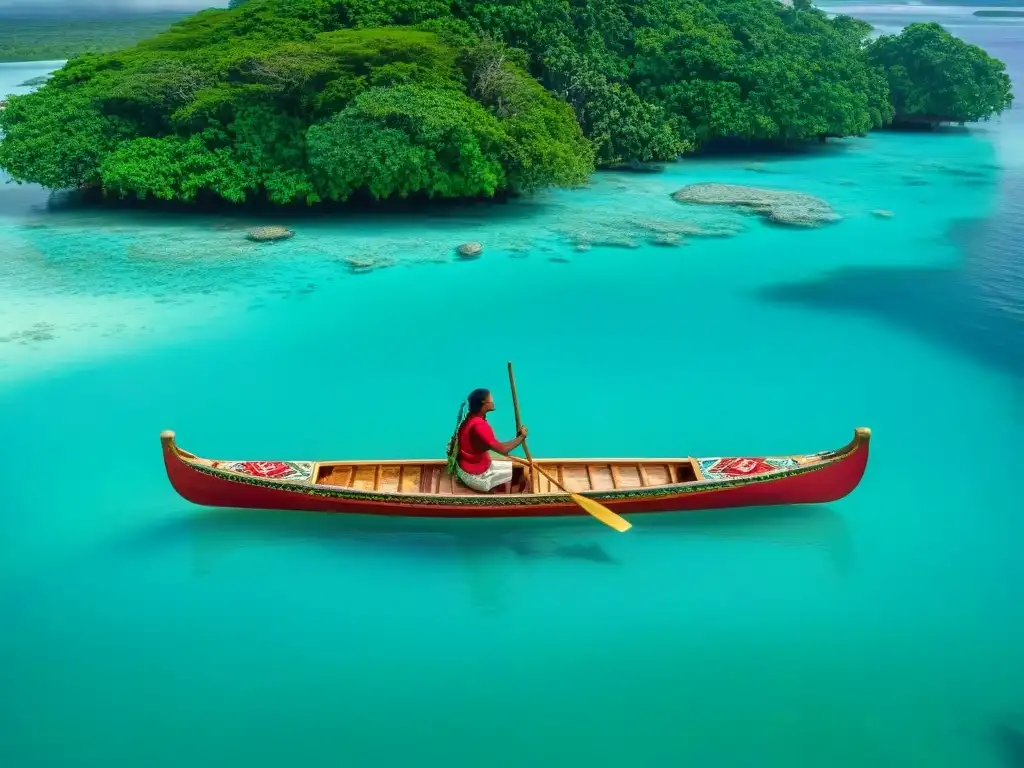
{"x": 666, "y": 239}
{"x": 778, "y": 206}
{"x": 470, "y": 250}
{"x": 361, "y": 263}
{"x": 683, "y": 229}
{"x": 269, "y": 234}
{"x": 38, "y": 332}
{"x": 602, "y": 237}
{"x": 519, "y": 246}
{"x": 611, "y": 231}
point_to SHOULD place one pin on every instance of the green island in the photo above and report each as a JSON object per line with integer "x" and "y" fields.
{"x": 52, "y": 37}
{"x": 1001, "y": 13}
{"x": 312, "y": 101}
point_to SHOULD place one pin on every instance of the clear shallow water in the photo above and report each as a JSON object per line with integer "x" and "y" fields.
{"x": 884, "y": 629}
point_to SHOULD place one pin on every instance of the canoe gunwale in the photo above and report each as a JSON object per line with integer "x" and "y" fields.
{"x": 308, "y": 487}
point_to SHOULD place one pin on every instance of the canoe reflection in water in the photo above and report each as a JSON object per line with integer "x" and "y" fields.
{"x": 213, "y": 534}
{"x": 489, "y": 553}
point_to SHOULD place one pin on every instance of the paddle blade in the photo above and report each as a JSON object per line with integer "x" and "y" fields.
{"x": 602, "y": 513}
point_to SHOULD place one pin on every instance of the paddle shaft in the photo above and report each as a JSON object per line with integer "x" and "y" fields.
{"x": 519, "y": 423}
{"x": 589, "y": 506}
{"x": 533, "y": 466}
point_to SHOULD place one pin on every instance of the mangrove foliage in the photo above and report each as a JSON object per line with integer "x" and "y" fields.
{"x": 329, "y": 100}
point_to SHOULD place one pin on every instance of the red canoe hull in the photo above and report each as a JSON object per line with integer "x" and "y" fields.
{"x": 819, "y": 478}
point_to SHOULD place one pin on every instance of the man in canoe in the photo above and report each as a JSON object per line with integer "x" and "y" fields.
{"x": 468, "y": 457}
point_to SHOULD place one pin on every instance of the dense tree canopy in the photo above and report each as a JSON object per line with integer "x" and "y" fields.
{"x": 935, "y": 77}
{"x": 325, "y": 99}
{"x": 288, "y": 113}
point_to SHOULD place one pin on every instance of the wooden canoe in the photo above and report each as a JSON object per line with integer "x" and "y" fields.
{"x": 424, "y": 489}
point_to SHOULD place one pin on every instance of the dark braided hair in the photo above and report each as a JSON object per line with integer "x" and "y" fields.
{"x": 470, "y": 407}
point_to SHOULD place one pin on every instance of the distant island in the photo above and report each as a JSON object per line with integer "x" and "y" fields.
{"x": 51, "y": 37}
{"x": 1003, "y": 13}
{"x": 331, "y": 100}
{"x": 960, "y": 3}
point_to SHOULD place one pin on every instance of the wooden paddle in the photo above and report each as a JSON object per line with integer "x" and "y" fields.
{"x": 519, "y": 423}
{"x": 589, "y": 506}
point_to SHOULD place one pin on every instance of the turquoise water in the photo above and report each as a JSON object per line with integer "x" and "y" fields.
{"x": 884, "y": 629}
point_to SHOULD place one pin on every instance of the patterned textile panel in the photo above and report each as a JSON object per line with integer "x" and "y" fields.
{"x": 273, "y": 470}
{"x": 729, "y": 467}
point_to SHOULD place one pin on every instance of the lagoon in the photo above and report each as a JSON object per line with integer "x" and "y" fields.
{"x": 884, "y": 629}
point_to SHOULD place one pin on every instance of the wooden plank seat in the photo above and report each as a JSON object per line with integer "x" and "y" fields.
{"x": 398, "y": 478}
{"x": 433, "y": 478}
